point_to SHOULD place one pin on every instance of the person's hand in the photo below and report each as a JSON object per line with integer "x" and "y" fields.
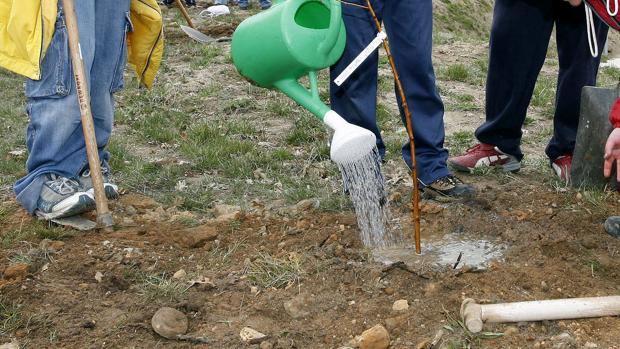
{"x": 612, "y": 153}
{"x": 575, "y": 2}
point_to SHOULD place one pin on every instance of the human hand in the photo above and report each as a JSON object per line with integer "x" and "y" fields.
{"x": 612, "y": 153}
{"x": 574, "y": 2}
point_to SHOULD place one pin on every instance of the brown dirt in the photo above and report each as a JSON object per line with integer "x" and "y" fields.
{"x": 564, "y": 248}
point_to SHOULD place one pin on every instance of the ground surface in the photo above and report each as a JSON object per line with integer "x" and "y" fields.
{"x": 233, "y": 185}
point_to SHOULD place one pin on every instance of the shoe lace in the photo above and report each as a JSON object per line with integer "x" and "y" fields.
{"x": 63, "y": 185}
{"x": 451, "y": 180}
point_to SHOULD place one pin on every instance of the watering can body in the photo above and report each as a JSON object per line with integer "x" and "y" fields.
{"x": 294, "y": 38}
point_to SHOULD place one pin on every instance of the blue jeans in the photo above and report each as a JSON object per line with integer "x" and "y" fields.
{"x": 518, "y": 48}
{"x": 409, "y": 25}
{"x": 54, "y": 136}
{"x": 263, "y": 3}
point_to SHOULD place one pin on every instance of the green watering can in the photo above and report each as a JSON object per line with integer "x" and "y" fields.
{"x": 295, "y": 38}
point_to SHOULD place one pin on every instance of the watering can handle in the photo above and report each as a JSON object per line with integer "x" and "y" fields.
{"x": 335, "y": 21}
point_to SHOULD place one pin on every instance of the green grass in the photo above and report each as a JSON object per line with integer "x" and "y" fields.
{"x": 270, "y": 272}
{"x": 455, "y": 72}
{"x": 459, "y": 141}
{"x": 32, "y": 231}
{"x": 11, "y": 316}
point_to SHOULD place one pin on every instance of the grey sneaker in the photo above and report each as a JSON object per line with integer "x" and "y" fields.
{"x": 62, "y": 197}
{"x": 447, "y": 188}
{"x": 612, "y": 226}
{"x": 111, "y": 190}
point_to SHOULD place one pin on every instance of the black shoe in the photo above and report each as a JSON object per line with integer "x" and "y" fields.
{"x": 190, "y": 3}
{"x": 612, "y": 226}
{"x": 448, "y": 187}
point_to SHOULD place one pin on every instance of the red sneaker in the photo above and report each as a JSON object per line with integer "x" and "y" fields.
{"x": 562, "y": 166}
{"x": 483, "y": 154}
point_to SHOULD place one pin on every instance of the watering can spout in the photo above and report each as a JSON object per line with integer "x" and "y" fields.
{"x": 335, "y": 23}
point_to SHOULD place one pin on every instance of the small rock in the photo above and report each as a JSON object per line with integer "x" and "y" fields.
{"x": 549, "y": 211}
{"x": 376, "y": 337}
{"x": 298, "y": 306}
{"x": 563, "y": 341}
{"x": 389, "y": 291}
{"x": 394, "y": 323}
{"x": 98, "y": 276}
{"x": 169, "y": 323}
{"x": 89, "y": 324}
{"x": 51, "y": 245}
{"x": 590, "y": 345}
{"x": 180, "y": 274}
{"x": 579, "y": 196}
{"x": 400, "y": 305}
{"x": 544, "y": 286}
{"x": 251, "y": 336}
{"x": 266, "y": 345}
{"x": 511, "y": 330}
{"x": 130, "y": 210}
{"x": 196, "y": 237}
{"x": 17, "y": 271}
{"x": 306, "y": 205}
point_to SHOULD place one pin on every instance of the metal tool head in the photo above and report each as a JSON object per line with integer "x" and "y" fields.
{"x": 196, "y": 35}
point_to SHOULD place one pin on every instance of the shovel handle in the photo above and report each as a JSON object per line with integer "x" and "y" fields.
{"x": 185, "y": 14}
{"x": 104, "y": 217}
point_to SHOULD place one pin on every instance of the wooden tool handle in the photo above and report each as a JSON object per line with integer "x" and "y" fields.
{"x": 185, "y": 14}
{"x": 104, "y": 217}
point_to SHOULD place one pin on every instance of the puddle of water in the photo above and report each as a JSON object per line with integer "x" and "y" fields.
{"x": 474, "y": 253}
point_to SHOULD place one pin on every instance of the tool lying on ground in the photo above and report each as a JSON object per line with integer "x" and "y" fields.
{"x": 104, "y": 217}
{"x": 191, "y": 31}
{"x": 474, "y": 315}
{"x": 293, "y": 39}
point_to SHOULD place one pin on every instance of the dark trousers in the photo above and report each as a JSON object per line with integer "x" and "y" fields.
{"x": 408, "y": 24}
{"x": 519, "y": 41}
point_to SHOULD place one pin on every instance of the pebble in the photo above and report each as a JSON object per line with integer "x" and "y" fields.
{"x": 225, "y": 210}
{"x": 266, "y": 345}
{"x": 298, "y": 307}
{"x": 169, "y": 322}
{"x": 549, "y": 211}
{"x": 251, "y": 336}
{"x": 590, "y": 345}
{"x": 376, "y": 337}
{"x": 180, "y": 274}
{"x": 563, "y": 341}
{"x": 511, "y": 330}
{"x": 579, "y": 196}
{"x": 389, "y": 291}
{"x": 394, "y": 323}
{"x": 400, "y": 305}
{"x": 17, "y": 271}
{"x": 544, "y": 286}
{"x": 98, "y": 276}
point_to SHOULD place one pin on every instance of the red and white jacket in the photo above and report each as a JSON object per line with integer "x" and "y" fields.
{"x": 614, "y": 115}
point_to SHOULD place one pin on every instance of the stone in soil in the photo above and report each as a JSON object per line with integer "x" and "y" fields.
{"x": 224, "y": 210}
{"x": 298, "y": 307}
{"x": 376, "y": 337}
{"x": 169, "y": 323}
{"x": 196, "y": 237}
{"x": 17, "y": 272}
{"x": 13, "y": 345}
{"x": 180, "y": 274}
{"x": 51, "y": 245}
{"x": 251, "y": 336}
{"x": 400, "y": 305}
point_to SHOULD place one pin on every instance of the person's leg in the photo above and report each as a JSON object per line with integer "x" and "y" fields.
{"x": 107, "y": 76}
{"x": 519, "y": 39}
{"x": 356, "y": 99}
{"x": 54, "y": 136}
{"x": 577, "y": 69}
{"x": 409, "y": 26}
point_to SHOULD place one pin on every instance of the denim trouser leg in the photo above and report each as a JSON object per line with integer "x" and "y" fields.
{"x": 518, "y": 46}
{"x": 54, "y": 137}
{"x": 409, "y": 27}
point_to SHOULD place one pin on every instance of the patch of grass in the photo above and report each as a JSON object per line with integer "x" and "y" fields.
{"x": 241, "y": 105}
{"x": 459, "y": 141}
{"x": 383, "y": 114}
{"x": 306, "y": 130}
{"x": 270, "y": 272}
{"x": 221, "y": 255}
{"x": 455, "y": 72}
{"x": 280, "y": 107}
{"x": 206, "y": 56}
{"x": 11, "y": 317}
{"x": 465, "y": 102}
{"x": 160, "y": 286}
{"x": 544, "y": 95}
{"x": 32, "y": 231}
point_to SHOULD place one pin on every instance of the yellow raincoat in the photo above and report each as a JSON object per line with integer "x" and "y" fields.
{"x": 27, "y": 27}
